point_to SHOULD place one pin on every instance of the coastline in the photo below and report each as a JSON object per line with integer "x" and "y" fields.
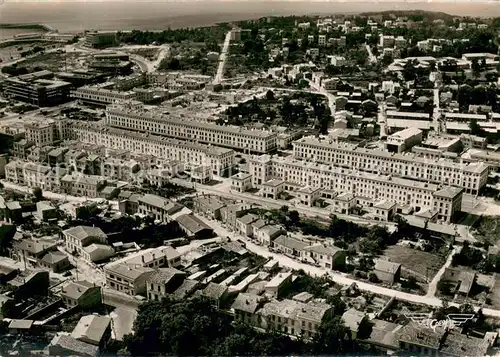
{"x": 80, "y": 16}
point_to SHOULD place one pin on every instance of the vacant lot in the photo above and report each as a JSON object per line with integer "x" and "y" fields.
{"x": 424, "y": 264}
{"x": 488, "y": 229}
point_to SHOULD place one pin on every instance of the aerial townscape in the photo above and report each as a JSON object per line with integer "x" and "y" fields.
{"x": 296, "y": 185}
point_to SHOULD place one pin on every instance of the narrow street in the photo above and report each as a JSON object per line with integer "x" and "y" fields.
{"x": 431, "y": 291}
{"x": 84, "y": 271}
{"x": 222, "y": 59}
{"x": 329, "y": 96}
{"x": 436, "y": 115}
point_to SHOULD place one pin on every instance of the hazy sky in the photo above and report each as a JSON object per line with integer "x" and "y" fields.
{"x": 233, "y": 1}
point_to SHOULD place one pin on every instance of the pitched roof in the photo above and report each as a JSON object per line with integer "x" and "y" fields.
{"x": 54, "y": 257}
{"x": 457, "y": 344}
{"x": 160, "y": 202}
{"x": 72, "y": 344}
{"x": 91, "y": 328}
{"x": 352, "y": 318}
{"x": 163, "y": 275}
{"x": 214, "y": 291}
{"x": 106, "y": 250}
{"x": 186, "y": 288}
{"x": 131, "y": 272}
{"x": 387, "y": 266}
{"x": 413, "y": 333}
{"x": 303, "y": 297}
{"x": 170, "y": 252}
{"x": 259, "y": 224}
{"x": 82, "y": 232}
{"x": 247, "y": 302}
{"x": 248, "y": 218}
{"x": 448, "y": 192}
{"x": 75, "y": 290}
{"x": 192, "y": 223}
{"x": 290, "y": 242}
{"x": 319, "y": 248}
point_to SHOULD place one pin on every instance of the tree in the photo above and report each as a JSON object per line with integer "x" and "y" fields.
{"x": 38, "y": 193}
{"x": 372, "y": 277}
{"x": 270, "y": 95}
{"x": 339, "y": 306}
{"x": 444, "y": 287}
{"x": 475, "y": 129}
{"x": 194, "y": 327}
{"x": 332, "y": 337}
{"x": 7, "y": 232}
{"x": 366, "y": 264}
{"x": 476, "y": 67}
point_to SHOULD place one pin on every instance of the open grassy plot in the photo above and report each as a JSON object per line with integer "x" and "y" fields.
{"x": 422, "y": 263}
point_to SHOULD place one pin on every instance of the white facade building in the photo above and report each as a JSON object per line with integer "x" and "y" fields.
{"x": 471, "y": 177}
{"x": 191, "y": 154}
{"x": 257, "y": 141}
{"x": 101, "y": 95}
{"x": 295, "y": 174}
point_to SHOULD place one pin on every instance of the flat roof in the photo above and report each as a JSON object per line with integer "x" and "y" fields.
{"x": 208, "y": 149}
{"x": 407, "y": 114}
{"x": 186, "y": 122}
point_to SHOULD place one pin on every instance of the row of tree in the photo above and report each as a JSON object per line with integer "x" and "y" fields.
{"x": 194, "y": 327}
{"x": 200, "y": 34}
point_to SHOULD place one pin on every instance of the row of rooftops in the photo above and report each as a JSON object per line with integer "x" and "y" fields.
{"x": 209, "y": 149}
{"x": 354, "y": 149}
{"x": 347, "y": 172}
{"x": 99, "y": 90}
{"x": 121, "y": 110}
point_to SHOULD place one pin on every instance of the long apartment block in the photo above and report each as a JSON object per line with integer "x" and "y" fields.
{"x": 101, "y": 96}
{"x": 136, "y": 118}
{"x": 334, "y": 180}
{"x": 470, "y": 176}
{"x": 192, "y": 154}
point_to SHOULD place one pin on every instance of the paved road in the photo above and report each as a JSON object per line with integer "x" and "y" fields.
{"x": 382, "y": 121}
{"x": 329, "y": 96}
{"x": 149, "y": 66}
{"x": 337, "y": 277}
{"x": 373, "y": 59}
{"x": 140, "y": 61}
{"x": 222, "y": 59}
{"x": 85, "y": 271}
{"x": 272, "y": 203}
